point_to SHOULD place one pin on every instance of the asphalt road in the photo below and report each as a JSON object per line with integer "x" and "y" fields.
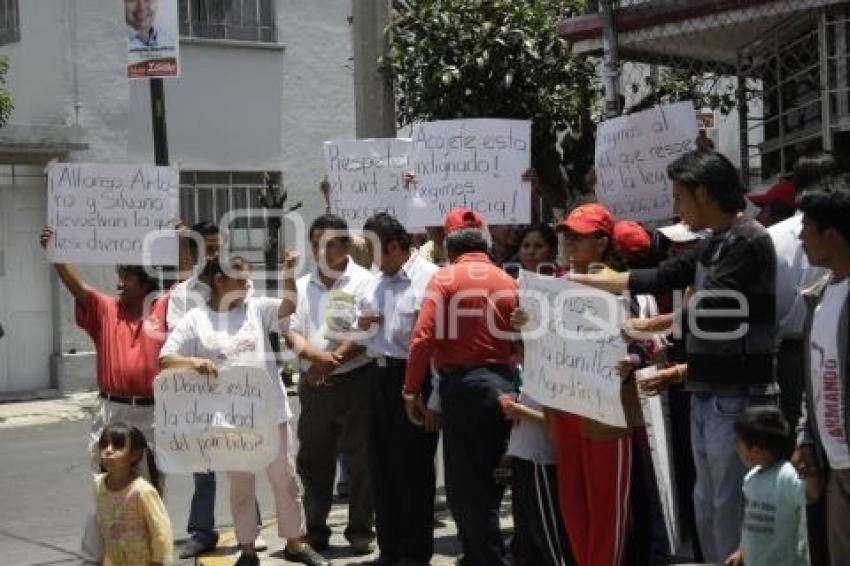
{"x": 46, "y": 494}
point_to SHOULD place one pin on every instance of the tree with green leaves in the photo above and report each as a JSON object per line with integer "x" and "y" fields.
{"x": 6, "y": 101}
{"x": 499, "y": 59}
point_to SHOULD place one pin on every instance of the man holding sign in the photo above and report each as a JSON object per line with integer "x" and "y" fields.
{"x": 730, "y": 343}
{"x": 128, "y": 332}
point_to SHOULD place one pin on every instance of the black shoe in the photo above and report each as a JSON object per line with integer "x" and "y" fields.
{"x": 248, "y": 560}
{"x": 194, "y": 547}
{"x": 306, "y": 555}
{"x": 319, "y": 545}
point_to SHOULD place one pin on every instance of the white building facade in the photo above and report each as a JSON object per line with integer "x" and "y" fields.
{"x": 264, "y": 83}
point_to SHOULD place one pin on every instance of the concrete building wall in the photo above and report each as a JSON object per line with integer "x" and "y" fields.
{"x": 237, "y": 107}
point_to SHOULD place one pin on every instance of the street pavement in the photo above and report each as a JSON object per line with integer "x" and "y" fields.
{"x": 45, "y": 493}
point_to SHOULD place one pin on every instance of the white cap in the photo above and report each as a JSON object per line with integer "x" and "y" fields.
{"x": 680, "y": 233}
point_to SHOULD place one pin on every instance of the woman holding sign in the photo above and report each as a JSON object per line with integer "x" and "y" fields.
{"x": 232, "y": 330}
{"x": 594, "y": 460}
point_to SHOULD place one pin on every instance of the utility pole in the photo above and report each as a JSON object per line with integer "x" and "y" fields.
{"x": 610, "y": 60}
{"x": 373, "y": 91}
{"x": 160, "y": 135}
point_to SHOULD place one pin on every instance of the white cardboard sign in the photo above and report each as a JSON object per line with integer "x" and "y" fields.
{"x": 572, "y": 346}
{"x": 366, "y": 177}
{"x": 112, "y": 214}
{"x": 224, "y": 423}
{"x": 632, "y": 155}
{"x": 476, "y": 164}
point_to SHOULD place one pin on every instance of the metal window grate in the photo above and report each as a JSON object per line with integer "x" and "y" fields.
{"x": 209, "y": 195}
{"x": 238, "y": 20}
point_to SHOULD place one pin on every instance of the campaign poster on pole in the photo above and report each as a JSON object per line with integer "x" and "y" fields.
{"x": 207, "y": 423}
{"x": 367, "y": 177}
{"x": 632, "y": 155}
{"x": 476, "y": 164}
{"x": 572, "y": 345}
{"x": 153, "y": 38}
{"x": 106, "y": 214}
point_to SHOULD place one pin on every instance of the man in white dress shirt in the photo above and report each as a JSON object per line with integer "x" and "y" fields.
{"x": 334, "y": 382}
{"x": 401, "y": 453}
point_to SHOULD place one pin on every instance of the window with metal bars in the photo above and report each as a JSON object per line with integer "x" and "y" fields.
{"x": 10, "y": 30}
{"x": 211, "y": 195}
{"x": 238, "y": 20}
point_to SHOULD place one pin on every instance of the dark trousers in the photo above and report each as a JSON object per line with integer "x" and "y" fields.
{"x": 647, "y": 542}
{"x": 402, "y": 470}
{"x": 539, "y": 535}
{"x": 202, "y": 511}
{"x": 335, "y": 418}
{"x": 683, "y": 463}
{"x": 791, "y": 376}
{"x": 475, "y": 437}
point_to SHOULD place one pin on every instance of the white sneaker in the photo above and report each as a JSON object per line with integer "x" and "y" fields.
{"x": 260, "y": 544}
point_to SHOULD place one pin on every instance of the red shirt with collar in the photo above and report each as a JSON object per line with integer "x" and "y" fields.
{"x": 127, "y": 346}
{"x": 452, "y": 328}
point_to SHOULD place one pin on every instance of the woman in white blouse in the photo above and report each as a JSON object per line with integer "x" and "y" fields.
{"x": 232, "y": 330}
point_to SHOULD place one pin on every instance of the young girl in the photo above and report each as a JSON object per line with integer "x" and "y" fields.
{"x": 131, "y": 517}
{"x": 539, "y": 537}
{"x": 232, "y": 330}
{"x": 594, "y": 460}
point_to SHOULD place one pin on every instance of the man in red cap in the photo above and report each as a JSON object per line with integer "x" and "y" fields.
{"x": 464, "y": 328}
{"x": 460, "y": 218}
{"x": 777, "y": 204}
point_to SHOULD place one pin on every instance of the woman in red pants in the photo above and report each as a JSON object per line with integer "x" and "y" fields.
{"x": 594, "y": 460}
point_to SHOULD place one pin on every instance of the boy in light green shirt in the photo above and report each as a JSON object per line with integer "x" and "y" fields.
{"x": 774, "y": 529}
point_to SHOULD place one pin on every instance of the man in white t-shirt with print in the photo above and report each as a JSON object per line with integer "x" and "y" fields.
{"x": 334, "y": 384}
{"x": 824, "y": 435}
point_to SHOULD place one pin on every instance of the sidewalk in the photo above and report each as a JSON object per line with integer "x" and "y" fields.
{"x": 70, "y": 407}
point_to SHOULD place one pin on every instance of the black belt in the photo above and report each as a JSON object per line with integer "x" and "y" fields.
{"x": 388, "y": 362}
{"x": 132, "y": 401}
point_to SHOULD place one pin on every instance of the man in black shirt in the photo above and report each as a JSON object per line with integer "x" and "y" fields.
{"x": 730, "y": 336}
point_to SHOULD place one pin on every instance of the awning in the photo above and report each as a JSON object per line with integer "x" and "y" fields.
{"x": 690, "y": 31}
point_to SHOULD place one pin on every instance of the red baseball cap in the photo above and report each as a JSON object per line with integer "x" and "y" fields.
{"x": 631, "y": 238}
{"x": 784, "y": 192}
{"x": 461, "y": 218}
{"x": 588, "y": 219}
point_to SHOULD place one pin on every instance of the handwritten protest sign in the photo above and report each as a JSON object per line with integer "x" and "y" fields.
{"x": 655, "y": 415}
{"x": 476, "y": 164}
{"x": 632, "y": 154}
{"x": 572, "y": 346}
{"x": 367, "y": 176}
{"x": 205, "y": 423}
{"x": 112, "y": 214}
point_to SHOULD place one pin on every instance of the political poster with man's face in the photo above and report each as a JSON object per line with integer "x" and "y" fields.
{"x": 152, "y": 38}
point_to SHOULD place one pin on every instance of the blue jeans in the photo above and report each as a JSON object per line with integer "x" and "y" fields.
{"x": 202, "y": 512}
{"x": 718, "y": 496}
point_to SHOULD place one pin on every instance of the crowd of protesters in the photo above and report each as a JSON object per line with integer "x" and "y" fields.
{"x": 744, "y": 323}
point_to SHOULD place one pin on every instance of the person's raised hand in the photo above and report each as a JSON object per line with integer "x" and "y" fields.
{"x": 519, "y": 318}
{"x": 530, "y": 176}
{"x": 45, "y": 236}
{"x": 290, "y": 260}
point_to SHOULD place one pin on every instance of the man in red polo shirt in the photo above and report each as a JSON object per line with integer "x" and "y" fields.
{"x": 128, "y": 332}
{"x": 464, "y": 329}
